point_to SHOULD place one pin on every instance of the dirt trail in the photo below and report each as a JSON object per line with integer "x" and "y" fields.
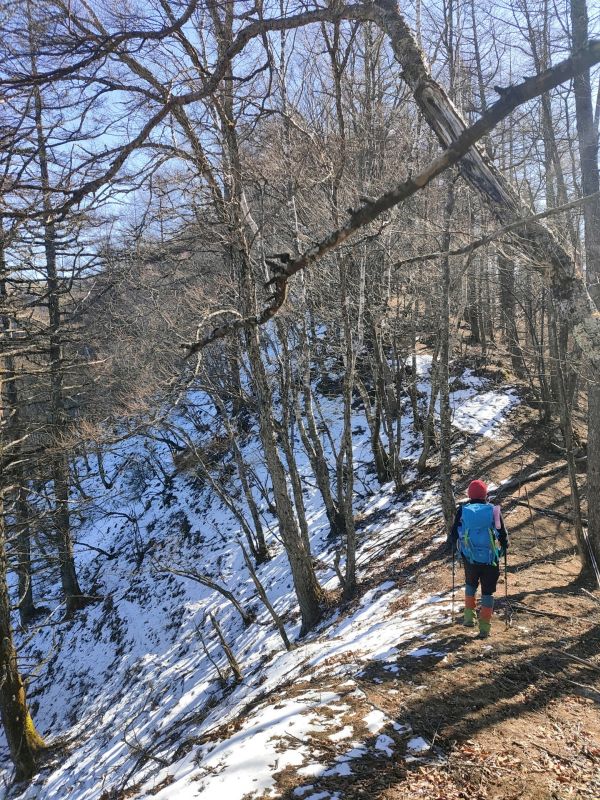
{"x": 513, "y": 714}
{"x": 518, "y": 715}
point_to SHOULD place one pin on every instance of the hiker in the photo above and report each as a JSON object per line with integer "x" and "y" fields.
{"x": 479, "y": 531}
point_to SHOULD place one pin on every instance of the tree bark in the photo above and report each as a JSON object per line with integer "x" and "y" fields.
{"x": 74, "y": 599}
{"x": 24, "y": 742}
{"x": 447, "y": 493}
{"x": 506, "y": 271}
{"x": 428, "y": 425}
{"x": 11, "y": 460}
{"x": 265, "y": 599}
{"x": 236, "y": 215}
{"x": 345, "y": 459}
{"x": 259, "y": 548}
{"x": 27, "y": 609}
{"x": 307, "y": 588}
{"x": 311, "y": 440}
{"x": 567, "y": 430}
{"x": 565, "y": 283}
{"x": 235, "y": 667}
{"x": 587, "y": 135}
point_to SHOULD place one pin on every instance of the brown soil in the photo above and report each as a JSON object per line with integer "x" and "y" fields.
{"x": 519, "y": 719}
{"x": 518, "y": 715}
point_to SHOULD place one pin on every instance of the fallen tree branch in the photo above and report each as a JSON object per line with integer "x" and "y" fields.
{"x": 515, "y": 483}
{"x": 552, "y": 753}
{"x": 265, "y": 599}
{"x": 576, "y": 659}
{"x": 286, "y": 267}
{"x": 235, "y": 667}
{"x": 568, "y": 680}
{"x": 540, "y": 613}
{"x": 547, "y": 512}
{"x": 193, "y": 575}
{"x": 593, "y": 597}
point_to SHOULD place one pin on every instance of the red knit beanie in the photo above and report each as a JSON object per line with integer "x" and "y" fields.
{"x": 477, "y": 490}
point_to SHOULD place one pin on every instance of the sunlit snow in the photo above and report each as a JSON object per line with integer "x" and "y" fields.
{"x": 129, "y": 685}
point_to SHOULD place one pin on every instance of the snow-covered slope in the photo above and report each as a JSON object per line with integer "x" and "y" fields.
{"x": 130, "y": 687}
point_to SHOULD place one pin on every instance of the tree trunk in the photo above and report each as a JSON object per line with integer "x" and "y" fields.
{"x": 506, "y": 271}
{"x": 471, "y": 310}
{"x": 345, "y": 459}
{"x": 308, "y": 591}
{"x": 237, "y": 217}
{"x": 24, "y": 742}
{"x": 587, "y": 135}
{"x": 265, "y": 599}
{"x": 428, "y": 425}
{"x": 447, "y": 493}
{"x": 27, "y": 609}
{"x": 567, "y": 430}
{"x": 373, "y": 417}
{"x": 259, "y": 548}
{"x": 565, "y": 283}
{"x": 386, "y": 404}
{"x": 312, "y": 441}
{"x": 307, "y": 588}
{"x": 235, "y": 667}
{"x": 74, "y": 599}
{"x": 11, "y": 462}
{"x": 414, "y": 378}
{"x": 60, "y": 465}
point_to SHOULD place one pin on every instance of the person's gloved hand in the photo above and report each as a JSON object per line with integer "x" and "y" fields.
{"x": 503, "y": 544}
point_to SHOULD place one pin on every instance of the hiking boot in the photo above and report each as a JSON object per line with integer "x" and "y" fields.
{"x": 484, "y": 630}
{"x": 469, "y": 618}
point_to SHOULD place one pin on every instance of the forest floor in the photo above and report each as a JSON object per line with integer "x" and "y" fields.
{"x": 514, "y": 716}
{"x": 386, "y": 699}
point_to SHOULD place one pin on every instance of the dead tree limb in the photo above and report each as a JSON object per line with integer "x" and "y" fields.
{"x": 582, "y": 661}
{"x": 515, "y": 483}
{"x": 235, "y": 667}
{"x": 593, "y": 597}
{"x": 545, "y": 512}
{"x": 263, "y": 596}
{"x": 198, "y": 577}
{"x": 539, "y": 613}
{"x": 461, "y": 141}
{"x": 208, "y": 655}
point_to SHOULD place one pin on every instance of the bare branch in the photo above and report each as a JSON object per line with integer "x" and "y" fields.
{"x": 467, "y": 249}
{"x": 511, "y": 99}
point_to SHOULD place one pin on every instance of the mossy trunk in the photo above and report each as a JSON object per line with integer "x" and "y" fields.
{"x": 24, "y": 742}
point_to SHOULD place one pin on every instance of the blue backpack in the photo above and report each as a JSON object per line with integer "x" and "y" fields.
{"x": 477, "y": 534}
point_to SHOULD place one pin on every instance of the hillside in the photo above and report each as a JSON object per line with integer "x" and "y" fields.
{"x": 281, "y": 287}
{"x": 385, "y": 699}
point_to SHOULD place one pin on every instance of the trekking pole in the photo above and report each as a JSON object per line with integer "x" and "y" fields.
{"x": 506, "y": 616}
{"x": 453, "y": 585}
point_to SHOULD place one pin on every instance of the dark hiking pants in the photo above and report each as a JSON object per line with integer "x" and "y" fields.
{"x": 486, "y": 574}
